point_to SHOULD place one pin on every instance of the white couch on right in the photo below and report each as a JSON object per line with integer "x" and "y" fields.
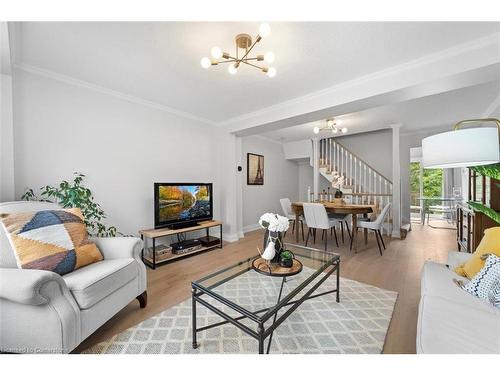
{"x": 450, "y": 320}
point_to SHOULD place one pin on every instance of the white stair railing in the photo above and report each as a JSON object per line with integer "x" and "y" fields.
{"x": 359, "y": 181}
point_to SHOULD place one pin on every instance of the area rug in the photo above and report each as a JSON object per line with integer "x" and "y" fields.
{"x": 358, "y": 324}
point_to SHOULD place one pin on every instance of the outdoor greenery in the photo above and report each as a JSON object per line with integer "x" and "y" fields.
{"x": 75, "y": 194}
{"x": 492, "y": 170}
{"x": 432, "y": 181}
{"x": 492, "y": 214}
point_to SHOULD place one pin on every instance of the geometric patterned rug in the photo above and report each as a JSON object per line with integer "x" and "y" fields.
{"x": 358, "y": 324}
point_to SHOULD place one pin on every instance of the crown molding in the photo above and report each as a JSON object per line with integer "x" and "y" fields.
{"x": 483, "y": 42}
{"x": 103, "y": 90}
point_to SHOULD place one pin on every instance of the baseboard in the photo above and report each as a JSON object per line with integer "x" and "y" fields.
{"x": 230, "y": 237}
{"x": 251, "y": 227}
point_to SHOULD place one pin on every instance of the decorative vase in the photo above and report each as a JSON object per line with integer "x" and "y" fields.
{"x": 277, "y": 238}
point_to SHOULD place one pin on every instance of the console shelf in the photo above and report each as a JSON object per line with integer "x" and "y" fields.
{"x": 154, "y": 234}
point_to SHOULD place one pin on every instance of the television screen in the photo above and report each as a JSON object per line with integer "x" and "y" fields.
{"x": 182, "y": 203}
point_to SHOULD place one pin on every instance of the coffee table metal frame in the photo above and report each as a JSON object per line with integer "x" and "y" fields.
{"x": 260, "y": 317}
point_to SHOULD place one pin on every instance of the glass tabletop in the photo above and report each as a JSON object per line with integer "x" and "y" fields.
{"x": 256, "y": 292}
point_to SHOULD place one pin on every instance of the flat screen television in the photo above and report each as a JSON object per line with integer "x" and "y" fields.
{"x": 180, "y": 205}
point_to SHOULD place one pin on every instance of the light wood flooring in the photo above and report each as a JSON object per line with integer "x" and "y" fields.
{"x": 398, "y": 269}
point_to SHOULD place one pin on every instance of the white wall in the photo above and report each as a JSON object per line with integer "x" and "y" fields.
{"x": 121, "y": 146}
{"x": 306, "y": 177}
{"x": 281, "y": 180}
{"x": 6, "y": 140}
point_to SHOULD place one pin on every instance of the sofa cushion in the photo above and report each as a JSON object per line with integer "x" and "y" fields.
{"x": 481, "y": 284}
{"x": 437, "y": 280}
{"x": 457, "y": 258}
{"x": 50, "y": 240}
{"x": 446, "y": 327}
{"x": 490, "y": 244}
{"x": 92, "y": 283}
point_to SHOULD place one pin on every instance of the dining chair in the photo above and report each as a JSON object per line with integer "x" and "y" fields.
{"x": 375, "y": 226}
{"x": 317, "y": 218}
{"x": 344, "y": 219}
{"x": 286, "y": 206}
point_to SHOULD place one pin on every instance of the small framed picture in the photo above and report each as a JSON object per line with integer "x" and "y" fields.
{"x": 255, "y": 169}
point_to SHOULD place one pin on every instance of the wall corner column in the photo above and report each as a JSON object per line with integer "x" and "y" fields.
{"x": 396, "y": 182}
{"x": 315, "y": 168}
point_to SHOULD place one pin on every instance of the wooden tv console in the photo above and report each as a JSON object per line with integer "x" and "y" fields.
{"x": 154, "y": 234}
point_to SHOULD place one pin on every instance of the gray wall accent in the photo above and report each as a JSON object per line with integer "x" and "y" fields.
{"x": 375, "y": 148}
{"x": 121, "y": 146}
{"x": 281, "y": 180}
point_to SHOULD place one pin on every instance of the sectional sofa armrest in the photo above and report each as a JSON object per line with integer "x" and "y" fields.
{"x": 30, "y": 287}
{"x": 119, "y": 247}
{"x": 456, "y": 258}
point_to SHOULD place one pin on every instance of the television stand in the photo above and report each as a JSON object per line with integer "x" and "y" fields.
{"x": 152, "y": 260}
{"x": 183, "y": 225}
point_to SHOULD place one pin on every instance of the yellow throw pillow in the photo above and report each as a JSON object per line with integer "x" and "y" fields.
{"x": 490, "y": 244}
{"x": 52, "y": 240}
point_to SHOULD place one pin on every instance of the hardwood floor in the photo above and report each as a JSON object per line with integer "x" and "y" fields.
{"x": 398, "y": 269}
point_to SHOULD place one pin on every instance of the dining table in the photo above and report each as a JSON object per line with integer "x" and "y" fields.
{"x": 339, "y": 208}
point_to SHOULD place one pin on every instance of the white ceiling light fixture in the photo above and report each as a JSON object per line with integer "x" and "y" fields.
{"x": 332, "y": 125}
{"x": 244, "y": 44}
{"x": 463, "y": 147}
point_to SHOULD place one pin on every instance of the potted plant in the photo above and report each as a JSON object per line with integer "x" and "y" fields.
{"x": 286, "y": 259}
{"x": 74, "y": 193}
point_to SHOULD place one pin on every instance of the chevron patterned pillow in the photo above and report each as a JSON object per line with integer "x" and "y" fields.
{"x": 53, "y": 240}
{"x": 494, "y": 294}
{"x": 486, "y": 280}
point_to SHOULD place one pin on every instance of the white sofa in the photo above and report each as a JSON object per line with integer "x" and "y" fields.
{"x": 450, "y": 320}
{"x": 41, "y": 311}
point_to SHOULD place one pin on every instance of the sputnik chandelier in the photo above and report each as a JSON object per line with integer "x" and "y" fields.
{"x": 332, "y": 125}
{"x": 244, "y": 43}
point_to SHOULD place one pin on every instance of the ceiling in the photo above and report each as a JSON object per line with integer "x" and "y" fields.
{"x": 435, "y": 111}
{"x": 160, "y": 62}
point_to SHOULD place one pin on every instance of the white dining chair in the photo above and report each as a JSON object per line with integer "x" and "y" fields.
{"x": 286, "y": 206}
{"x": 375, "y": 226}
{"x": 317, "y": 218}
{"x": 344, "y": 219}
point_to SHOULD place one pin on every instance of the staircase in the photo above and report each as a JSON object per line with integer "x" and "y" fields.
{"x": 358, "y": 181}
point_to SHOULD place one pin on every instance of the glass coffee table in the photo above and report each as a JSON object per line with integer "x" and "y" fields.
{"x": 257, "y": 302}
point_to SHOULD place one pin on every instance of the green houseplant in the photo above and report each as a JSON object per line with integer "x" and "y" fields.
{"x": 286, "y": 259}
{"x": 75, "y": 194}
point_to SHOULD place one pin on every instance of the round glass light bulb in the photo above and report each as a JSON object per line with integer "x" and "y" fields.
{"x": 216, "y": 52}
{"x": 269, "y": 57}
{"x": 271, "y": 72}
{"x": 264, "y": 30}
{"x": 205, "y": 63}
{"x": 316, "y": 130}
{"x": 232, "y": 69}
{"x": 344, "y": 130}
{"x": 335, "y": 130}
{"x": 329, "y": 123}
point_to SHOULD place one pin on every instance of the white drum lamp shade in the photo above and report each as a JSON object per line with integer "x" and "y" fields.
{"x": 461, "y": 148}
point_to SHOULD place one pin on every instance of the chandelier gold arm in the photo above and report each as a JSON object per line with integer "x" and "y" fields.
{"x": 248, "y": 50}
{"x": 255, "y": 66}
